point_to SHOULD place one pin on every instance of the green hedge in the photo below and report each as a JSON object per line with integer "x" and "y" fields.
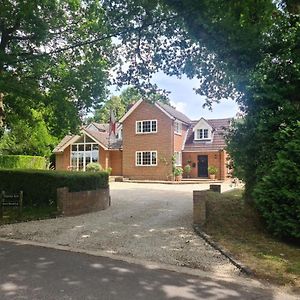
{"x": 22, "y": 162}
{"x": 40, "y": 186}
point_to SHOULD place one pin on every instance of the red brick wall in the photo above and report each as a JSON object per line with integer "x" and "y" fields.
{"x": 216, "y": 159}
{"x": 162, "y": 142}
{"x": 62, "y": 160}
{"x": 115, "y": 158}
{"x": 103, "y": 158}
{"x": 77, "y": 203}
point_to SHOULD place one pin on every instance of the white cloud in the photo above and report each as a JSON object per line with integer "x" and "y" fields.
{"x": 184, "y": 98}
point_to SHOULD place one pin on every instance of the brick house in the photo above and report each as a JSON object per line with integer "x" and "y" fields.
{"x": 148, "y": 136}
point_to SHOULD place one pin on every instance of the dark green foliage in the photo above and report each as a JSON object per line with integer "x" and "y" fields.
{"x": 22, "y": 162}
{"x": 40, "y": 187}
{"x": 28, "y": 138}
{"x": 277, "y": 195}
{"x": 46, "y": 64}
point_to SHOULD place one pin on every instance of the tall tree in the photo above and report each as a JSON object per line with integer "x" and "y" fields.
{"x": 119, "y": 104}
{"x": 29, "y": 138}
{"x": 47, "y": 60}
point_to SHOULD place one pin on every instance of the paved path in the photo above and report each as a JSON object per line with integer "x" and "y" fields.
{"x": 30, "y": 272}
{"x": 147, "y": 221}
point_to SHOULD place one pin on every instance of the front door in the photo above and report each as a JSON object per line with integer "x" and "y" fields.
{"x": 202, "y": 166}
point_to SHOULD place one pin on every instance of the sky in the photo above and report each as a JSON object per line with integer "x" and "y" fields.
{"x": 184, "y": 98}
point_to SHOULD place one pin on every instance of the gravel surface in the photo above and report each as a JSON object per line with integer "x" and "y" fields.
{"x": 148, "y": 221}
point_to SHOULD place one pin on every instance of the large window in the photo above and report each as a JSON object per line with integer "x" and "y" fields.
{"x": 84, "y": 152}
{"x": 177, "y": 127}
{"x": 146, "y": 126}
{"x": 202, "y": 134}
{"x": 146, "y": 158}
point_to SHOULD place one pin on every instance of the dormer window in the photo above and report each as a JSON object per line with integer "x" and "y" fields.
{"x": 146, "y": 126}
{"x": 202, "y": 134}
{"x": 203, "y": 131}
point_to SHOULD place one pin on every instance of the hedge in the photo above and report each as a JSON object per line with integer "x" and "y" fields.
{"x": 39, "y": 186}
{"x": 22, "y": 162}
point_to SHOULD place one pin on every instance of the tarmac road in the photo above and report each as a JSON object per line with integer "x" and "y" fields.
{"x": 34, "y": 272}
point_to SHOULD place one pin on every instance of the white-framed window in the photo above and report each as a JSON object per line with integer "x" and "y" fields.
{"x": 178, "y": 158}
{"x": 146, "y": 158}
{"x": 177, "y": 127}
{"x": 202, "y": 134}
{"x": 83, "y": 152}
{"x": 146, "y": 126}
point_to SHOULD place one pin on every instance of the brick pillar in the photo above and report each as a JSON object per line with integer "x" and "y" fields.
{"x": 199, "y": 207}
{"x": 62, "y": 195}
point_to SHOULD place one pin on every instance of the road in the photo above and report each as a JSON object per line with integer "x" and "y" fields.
{"x": 33, "y": 272}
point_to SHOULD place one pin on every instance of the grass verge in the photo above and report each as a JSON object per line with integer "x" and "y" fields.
{"x": 10, "y": 215}
{"x": 237, "y": 227}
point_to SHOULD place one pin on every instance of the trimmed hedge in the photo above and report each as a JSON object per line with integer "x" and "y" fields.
{"x": 40, "y": 186}
{"x": 22, "y": 162}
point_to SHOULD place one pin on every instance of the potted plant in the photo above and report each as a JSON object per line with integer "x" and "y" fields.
{"x": 212, "y": 171}
{"x": 178, "y": 173}
{"x": 187, "y": 170}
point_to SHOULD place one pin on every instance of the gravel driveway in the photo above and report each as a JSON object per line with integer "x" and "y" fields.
{"x": 148, "y": 221}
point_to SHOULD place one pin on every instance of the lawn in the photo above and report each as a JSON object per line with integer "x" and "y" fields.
{"x": 237, "y": 227}
{"x": 10, "y": 215}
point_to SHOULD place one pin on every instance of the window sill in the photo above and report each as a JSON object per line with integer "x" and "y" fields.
{"x": 142, "y": 133}
{"x": 199, "y": 140}
{"x": 177, "y": 133}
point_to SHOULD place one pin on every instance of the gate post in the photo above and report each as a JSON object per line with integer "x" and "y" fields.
{"x": 199, "y": 207}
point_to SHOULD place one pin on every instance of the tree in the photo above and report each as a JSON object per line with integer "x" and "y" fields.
{"x": 46, "y": 60}
{"x": 28, "y": 139}
{"x": 120, "y": 104}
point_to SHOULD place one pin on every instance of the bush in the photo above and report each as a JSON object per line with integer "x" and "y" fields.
{"x": 93, "y": 167}
{"x": 277, "y": 196}
{"x": 22, "y": 162}
{"x": 212, "y": 170}
{"x": 178, "y": 171}
{"x": 187, "y": 169}
{"x": 39, "y": 186}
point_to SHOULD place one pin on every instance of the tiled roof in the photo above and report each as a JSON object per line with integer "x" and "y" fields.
{"x": 100, "y": 136}
{"x": 103, "y": 138}
{"x": 174, "y": 113}
{"x": 218, "y": 140}
{"x": 101, "y": 126}
{"x": 63, "y": 142}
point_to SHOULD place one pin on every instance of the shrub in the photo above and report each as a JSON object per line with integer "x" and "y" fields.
{"x": 108, "y": 170}
{"x": 212, "y": 170}
{"x": 277, "y": 196}
{"x": 178, "y": 171}
{"x": 22, "y": 162}
{"x": 40, "y": 187}
{"x": 93, "y": 167}
{"x": 187, "y": 169}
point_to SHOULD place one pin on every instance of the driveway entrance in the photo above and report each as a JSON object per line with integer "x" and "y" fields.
{"x": 147, "y": 221}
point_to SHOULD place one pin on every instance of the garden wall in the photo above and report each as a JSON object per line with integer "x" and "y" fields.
{"x": 76, "y": 203}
